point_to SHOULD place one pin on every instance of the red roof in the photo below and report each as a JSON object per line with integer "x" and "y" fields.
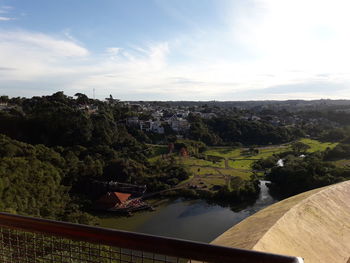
{"x": 121, "y": 196}
{"x": 112, "y": 199}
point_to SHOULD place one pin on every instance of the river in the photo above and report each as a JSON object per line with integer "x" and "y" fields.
{"x": 188, "y": 219}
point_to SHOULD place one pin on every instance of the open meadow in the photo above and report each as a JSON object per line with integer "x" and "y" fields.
{"x": 209, "y": 173}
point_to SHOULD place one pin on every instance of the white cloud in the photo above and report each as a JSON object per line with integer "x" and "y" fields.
{"x": 35, "y": 55}
{"x": 43, "y": 43}
{"x": 3, "y": 18}
{"x": 36, "y": 58}
{"x": 265, "y": 43}
{"x": 4, "y": 10}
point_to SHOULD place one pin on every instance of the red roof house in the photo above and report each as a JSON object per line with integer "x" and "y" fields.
{"x": 111, "y": 200}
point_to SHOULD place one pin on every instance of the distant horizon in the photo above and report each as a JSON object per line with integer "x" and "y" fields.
{"x": 142, "y": 100}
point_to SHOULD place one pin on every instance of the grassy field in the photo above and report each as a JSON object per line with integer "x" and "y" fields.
{"x": 263, "y": 153}
{"x": 266, "y": 152}
{"x": 190, "y": 161}
{"x": 208, "y": 183}
{"x": 208, "y": 173}
{"x": 203, "y": 170}
{"x": 243, "y": 175}
{"x": 211, "y": 181}
{"x": 241, "y": 164}
{"x": 317, "y": 145}
{"x": 233, "y": 172}
{"x": 225, "y": 152}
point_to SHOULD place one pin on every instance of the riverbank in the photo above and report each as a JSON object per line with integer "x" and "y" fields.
{"x": 131, "y": 223}
{"x": 196, "y": 219}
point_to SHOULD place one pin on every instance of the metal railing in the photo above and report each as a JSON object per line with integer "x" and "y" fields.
{"x": 29, "y": 240}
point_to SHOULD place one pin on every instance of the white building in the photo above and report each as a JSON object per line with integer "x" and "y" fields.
{"x": 152, "y": 126}
{"x": 178, "y": 124}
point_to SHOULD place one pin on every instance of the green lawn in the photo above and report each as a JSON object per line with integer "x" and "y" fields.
{"x": 215, "y": 170}
{"x": 266, "y": 152}
{"x": 201, "y": 162}
{"x": 243, "y": 175}
{"x": 317, "y": 145}
{"x": 241, "y": 164}
{"x": 214, "y": 180}
{"x": 235, "y": 153}
{"x": 225, "y": 152}
{"x": 203, "y": 170}
{"x": 208, "y": 182}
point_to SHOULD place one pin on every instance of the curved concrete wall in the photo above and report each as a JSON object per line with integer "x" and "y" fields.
{"x": 314, "y": 225}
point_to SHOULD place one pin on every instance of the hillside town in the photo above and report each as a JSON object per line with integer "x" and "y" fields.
{"x": 176, "y": 117}
{"x": 163, "y": 118}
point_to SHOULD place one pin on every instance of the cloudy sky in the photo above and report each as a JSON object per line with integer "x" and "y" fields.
{"x": 176, "y": 49}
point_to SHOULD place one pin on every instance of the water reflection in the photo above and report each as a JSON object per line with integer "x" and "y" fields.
{"x": 198, "y": 220}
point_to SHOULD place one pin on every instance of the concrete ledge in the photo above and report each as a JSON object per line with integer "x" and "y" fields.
{"x": 314, "y": 225}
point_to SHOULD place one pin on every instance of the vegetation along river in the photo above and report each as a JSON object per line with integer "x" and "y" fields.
{"x": 187, "y": 219}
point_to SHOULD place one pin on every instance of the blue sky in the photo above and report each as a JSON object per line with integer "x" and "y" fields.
{"x": 176, "y": 49}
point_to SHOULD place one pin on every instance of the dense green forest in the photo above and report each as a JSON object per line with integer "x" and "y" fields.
{"x": 53, "y": 147}
{"x": 50, "y": 149}
{"x": 60, "y": 120}
{"x": 228, "y": 129}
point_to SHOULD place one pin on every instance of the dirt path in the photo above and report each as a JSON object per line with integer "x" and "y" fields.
{"x": 226, "y": 176}
{"x": 226, "y": 164}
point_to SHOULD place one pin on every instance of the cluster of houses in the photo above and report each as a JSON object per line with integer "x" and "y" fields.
{"x": 177, "y": 120}
{"x": 176, "y": 123}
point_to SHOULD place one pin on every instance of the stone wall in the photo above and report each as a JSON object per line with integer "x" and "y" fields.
{"x": 314, "y": 225}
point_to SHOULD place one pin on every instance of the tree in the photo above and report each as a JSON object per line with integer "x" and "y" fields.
{"x": 82, "y": 98}
{"x": 303, "y": 174}
{"x": 58, "y": 96}
{"x": 4, "y": 99}
{"x": 31, "y": 187}
{"x": 123, "y": 170}
{"x": 300, "y": 147}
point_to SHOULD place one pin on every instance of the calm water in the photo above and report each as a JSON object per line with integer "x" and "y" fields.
{"x": 189, "y": 219}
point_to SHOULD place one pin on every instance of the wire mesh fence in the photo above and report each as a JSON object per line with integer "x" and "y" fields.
{"x": 33, "y": 240}
{"x": 20, "y": 246}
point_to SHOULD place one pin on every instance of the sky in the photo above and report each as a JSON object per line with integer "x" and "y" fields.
{"x": 176, "y": 49}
